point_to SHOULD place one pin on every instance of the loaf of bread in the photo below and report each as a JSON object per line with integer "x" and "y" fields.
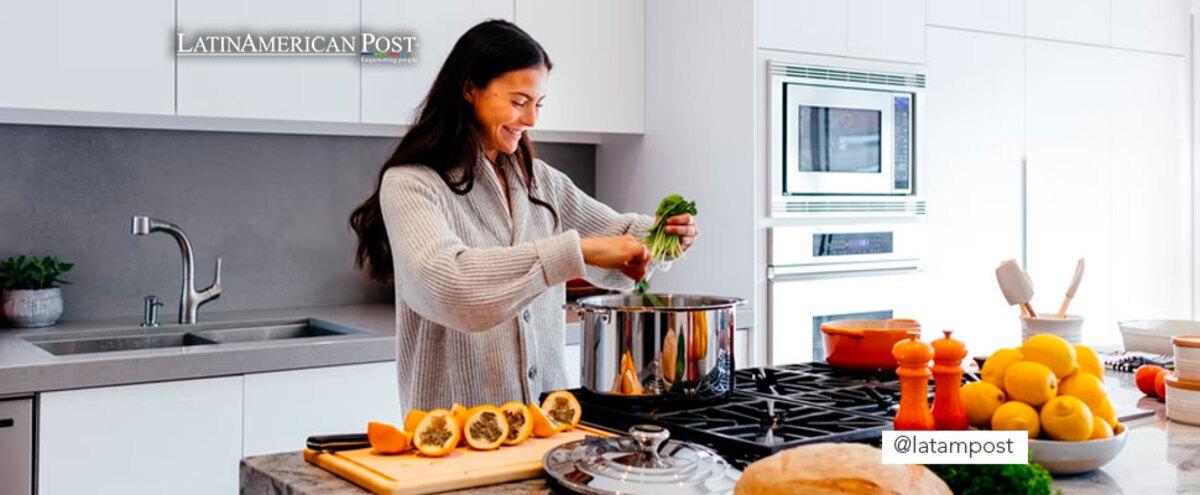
{"x": 836, "y": 468}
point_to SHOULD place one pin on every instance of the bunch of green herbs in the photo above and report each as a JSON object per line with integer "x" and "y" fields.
{"x": 663, "y": 246}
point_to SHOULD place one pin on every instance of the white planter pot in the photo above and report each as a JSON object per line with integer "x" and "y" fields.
{"x": 32, "y": 308}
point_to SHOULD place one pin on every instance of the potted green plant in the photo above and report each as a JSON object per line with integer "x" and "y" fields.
{"x": 29, "y": 293}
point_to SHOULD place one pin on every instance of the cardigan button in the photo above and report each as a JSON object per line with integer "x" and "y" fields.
{"x": 525, "y": 316}
{"x": 532, "y": 373}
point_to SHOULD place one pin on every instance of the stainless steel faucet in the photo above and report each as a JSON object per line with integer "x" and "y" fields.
{"x": 189, "y": 299}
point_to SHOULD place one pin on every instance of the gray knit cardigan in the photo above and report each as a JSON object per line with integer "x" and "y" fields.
{"x": 479, "y": 292}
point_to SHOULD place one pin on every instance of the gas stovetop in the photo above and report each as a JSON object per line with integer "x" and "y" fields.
{"x": 771, "y": 409}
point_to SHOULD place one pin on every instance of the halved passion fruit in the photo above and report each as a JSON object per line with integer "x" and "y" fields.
{"x": 520, "y": 424}
{"x": 563, "y": 408}
{"x": 437, "y": 434}
{"x": 485, "y": 427}
{"x": 386, "y": 438}
{"x": 413, "y": 419}
{"x": 543, "y": 425}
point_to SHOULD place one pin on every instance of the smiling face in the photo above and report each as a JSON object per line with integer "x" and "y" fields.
{"x": 507, "y": 106}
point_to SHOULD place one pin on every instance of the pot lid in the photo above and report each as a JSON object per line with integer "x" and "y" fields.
{"x": 644, "y": 462}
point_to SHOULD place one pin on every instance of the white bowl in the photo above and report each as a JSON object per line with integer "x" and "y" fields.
{"x": 1154, "y": 336}
{"x": 1076, "y": 457}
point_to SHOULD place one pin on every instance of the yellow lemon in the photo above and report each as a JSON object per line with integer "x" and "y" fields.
{"x": 1067, "y": 418}
{"x": 1089, "y": 361}
{"x": 1087, "y": 388}
{"x": 1052, "y": 351}
{"x": 1015, "y": 416}
{"x": 1030, "y": 382}
{"x": 981, "y": 400}
{"x": 1101, "y": 430}
{"x": 996, "y": 364}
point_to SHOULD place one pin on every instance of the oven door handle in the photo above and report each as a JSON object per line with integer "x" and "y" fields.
{"x": 808, "y": 272}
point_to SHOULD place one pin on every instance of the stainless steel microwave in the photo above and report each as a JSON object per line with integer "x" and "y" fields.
{"x": 843, "y": 133}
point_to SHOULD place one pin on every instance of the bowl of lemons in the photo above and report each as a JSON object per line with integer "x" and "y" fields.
{"x": 1054, "y": 391}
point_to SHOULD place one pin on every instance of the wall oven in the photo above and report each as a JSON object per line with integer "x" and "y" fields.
{"x": 821, "y": 273}
{"x": 843, "y": 133}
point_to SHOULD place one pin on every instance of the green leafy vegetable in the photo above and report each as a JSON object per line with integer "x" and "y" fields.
{"x": 664, "y": 246}
{"x": 987, "y": 479}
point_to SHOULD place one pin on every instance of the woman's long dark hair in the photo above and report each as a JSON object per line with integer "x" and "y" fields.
{"x": 446, "y": 135}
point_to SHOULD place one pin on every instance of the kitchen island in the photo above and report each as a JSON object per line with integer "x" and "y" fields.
{"x": 1160, "y": 457}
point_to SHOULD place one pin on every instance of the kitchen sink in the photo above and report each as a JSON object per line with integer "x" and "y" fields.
{"x": 308, "y": 329}
{"x": 122, "y": 343}
{"x": 174, "y": 336}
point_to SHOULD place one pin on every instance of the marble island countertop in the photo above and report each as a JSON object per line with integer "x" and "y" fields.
{"x": 1159, "y": 457}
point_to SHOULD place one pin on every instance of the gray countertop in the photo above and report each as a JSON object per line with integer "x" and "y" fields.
{"x": 27, "y": 369}
{"x": 1159, "y": 457}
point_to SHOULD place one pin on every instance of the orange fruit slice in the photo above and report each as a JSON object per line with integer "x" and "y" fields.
{"x": 563, "y": 408}
{"x": 437, "y": 434}
{"x": 520, "y": 423}
{"x": 543, "y": 425}
{"x": 386, "y": 438}
{"x": 413, "y": 419}
{"x": 485, "y": 427}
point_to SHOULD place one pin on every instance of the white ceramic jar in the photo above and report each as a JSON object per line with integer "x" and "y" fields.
{"x": 1187, "y": 357}
{"x": 1183, "y": 400}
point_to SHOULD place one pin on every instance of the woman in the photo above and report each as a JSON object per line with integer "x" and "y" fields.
{"x": 481, "y": 236}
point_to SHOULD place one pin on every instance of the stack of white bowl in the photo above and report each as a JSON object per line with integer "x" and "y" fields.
{"x": 1183, "y": 387}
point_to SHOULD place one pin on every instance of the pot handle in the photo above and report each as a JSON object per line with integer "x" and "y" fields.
{"x": 849, "y": 332}
{"x": 605, "y": 314}
{"x": 574, "y": 307}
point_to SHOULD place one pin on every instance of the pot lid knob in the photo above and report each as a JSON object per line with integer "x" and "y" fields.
{"x": 649, "y": 439}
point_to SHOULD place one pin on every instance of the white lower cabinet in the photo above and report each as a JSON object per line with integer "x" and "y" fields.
{"x": 283, "y": 408}
{"x": 189, "y": 436}
{"x": 178, "y": 437}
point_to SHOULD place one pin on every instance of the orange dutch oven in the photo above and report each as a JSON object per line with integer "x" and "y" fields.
{"x": 865, "y": 344}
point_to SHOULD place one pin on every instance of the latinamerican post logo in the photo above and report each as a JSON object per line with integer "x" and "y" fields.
{"x": 369, "y": 47}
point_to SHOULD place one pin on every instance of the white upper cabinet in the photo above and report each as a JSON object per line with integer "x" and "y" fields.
{"x": 598, "y": 51}
{"x": 88, "y": 56}
{"x": 180, "y": 437}
{"x": 1081, "y": 21}
{"x": 336, "y": 399}
{"x": 886, "y": 30}
{"x": 1069, "y": 123}
{"x": 998, "y": 16}
{"x": 392, "y": 92}
{"x": 314, "y": 88}
{"x": 814, "y": 26}
{"x": 1152, "y": 25}
{"x": 1151, "y": 187}
{"x": 972, "y": 169}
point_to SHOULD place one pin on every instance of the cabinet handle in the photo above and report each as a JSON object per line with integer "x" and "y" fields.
{"x": 6, "y": 423}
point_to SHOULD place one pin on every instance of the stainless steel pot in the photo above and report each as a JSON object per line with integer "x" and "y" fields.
{"x": 658, "y": 345}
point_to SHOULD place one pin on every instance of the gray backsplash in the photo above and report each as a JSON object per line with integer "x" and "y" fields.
{"x": 273, "y": 206}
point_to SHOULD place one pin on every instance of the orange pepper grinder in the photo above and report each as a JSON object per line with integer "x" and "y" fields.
{"x": 948, "y": 410}
{"x": 913, "y": 356}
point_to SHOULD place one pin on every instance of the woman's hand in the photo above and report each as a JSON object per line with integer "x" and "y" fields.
{"x": 623, "y": 252}
{"x": 685, "y": 227}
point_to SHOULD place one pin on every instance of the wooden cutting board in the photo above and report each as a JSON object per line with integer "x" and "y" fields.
{"x": 463, "y": 468}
